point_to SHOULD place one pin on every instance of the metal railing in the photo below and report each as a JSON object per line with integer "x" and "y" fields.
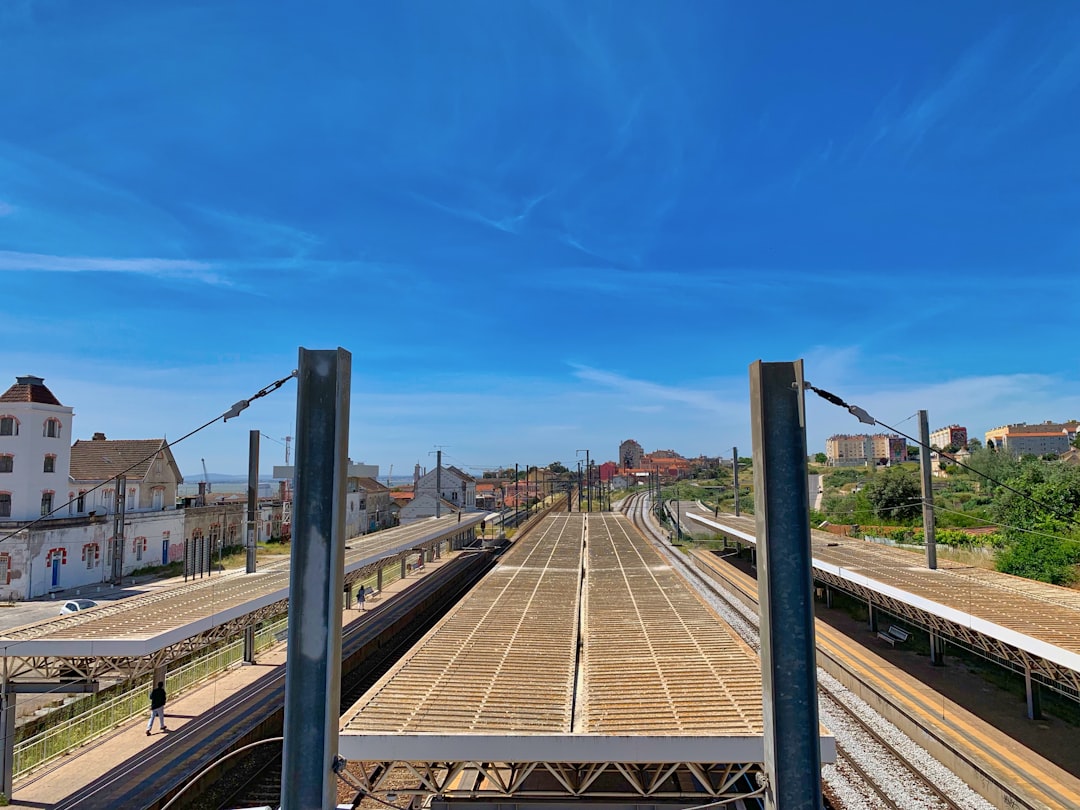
{"x": 53, "y": 742}
{"x": 48, "y": 744}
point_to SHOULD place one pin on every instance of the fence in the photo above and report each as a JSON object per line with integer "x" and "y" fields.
{"x": 53, "y": 742}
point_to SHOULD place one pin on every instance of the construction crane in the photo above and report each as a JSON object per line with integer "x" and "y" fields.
{"x": 390, "y": 475}
{"x": 205, "y": 475}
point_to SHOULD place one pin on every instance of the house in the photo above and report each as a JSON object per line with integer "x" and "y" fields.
{"x": 455, "y": 487}
{"x": 424, "y": 506}
{"x": 375, "y": 504}
{"x": 57, "y": 531}
{"x": 147, "y": 465}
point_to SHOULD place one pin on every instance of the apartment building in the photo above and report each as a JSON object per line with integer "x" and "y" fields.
{"x": 1022, "y": 439}
{"x": 953, "y": 434}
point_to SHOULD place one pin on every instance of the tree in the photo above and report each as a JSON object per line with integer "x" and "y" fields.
{"x": 1076, "y": 440}
{"x": 1048, "y": 559}
{"x": 1040, "y": 536}
{"x": 973, "y": 445}
{"x": 557, "y": 467}
{"x": 912, "y": 451}
{"x": 895, "y": 491}
{"x": 821, "y": 458}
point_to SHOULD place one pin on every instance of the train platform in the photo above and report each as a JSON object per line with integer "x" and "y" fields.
{"x": 582, "y": 660}
{"x": 1031, "y": 626}
{"x": 85, "y": 778}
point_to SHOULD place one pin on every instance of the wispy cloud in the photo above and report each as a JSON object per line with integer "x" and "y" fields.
{"x": 13, "y": 261}
{"x": 6, "y": 209}
{"x": 933, "y": 106}
{"x": 643, "y": 393}
{"x": 263, "y": 235}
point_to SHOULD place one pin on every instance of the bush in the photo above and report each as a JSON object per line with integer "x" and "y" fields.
{"x": 1048, "y": 559}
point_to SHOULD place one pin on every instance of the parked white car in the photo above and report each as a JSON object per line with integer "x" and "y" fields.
{"x": 76, "y": 605}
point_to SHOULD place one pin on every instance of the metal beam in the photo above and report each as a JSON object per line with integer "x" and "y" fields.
{"x": 785, "y": 587}
{"x": 313, "y": 668}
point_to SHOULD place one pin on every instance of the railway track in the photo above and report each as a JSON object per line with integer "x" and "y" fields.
{"x": 871, "y": 770}
{"x": 260, "y": 775}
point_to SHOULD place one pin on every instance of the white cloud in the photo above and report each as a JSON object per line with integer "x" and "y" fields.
{"x": 6, "y": 209}
{"x": 186, "y": 268}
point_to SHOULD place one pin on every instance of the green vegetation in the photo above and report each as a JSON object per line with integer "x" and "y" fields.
{"x": 1035, "y": 540}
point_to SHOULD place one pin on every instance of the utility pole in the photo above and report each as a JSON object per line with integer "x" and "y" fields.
{"x": 252, "y": 497}
{"x": 735, "y": 474}
{"x": 579, "y": 486}
{"x": 438, "y": 483}
{"x": 785, "y": 592}
{"x": 118, "y": 532}
{"x": 517, "y": 498}
{"x": 927, "y": 491}
{"x": 249, "y": 533}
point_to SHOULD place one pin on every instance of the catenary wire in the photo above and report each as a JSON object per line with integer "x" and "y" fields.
{"x": 229, "y": 414}
{"x": 867, "y": 419}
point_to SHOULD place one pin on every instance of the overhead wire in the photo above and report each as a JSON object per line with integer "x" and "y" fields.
{"x": 866, "y": 418}
{"x": 234, "y": 411}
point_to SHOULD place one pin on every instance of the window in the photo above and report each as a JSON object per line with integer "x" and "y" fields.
{"x": 5, "y": 569}
{"x": 7, "y": 464}
{"x": 46, "y": 502}
{"x": 5, "y": 504}
{"x": 9, "y": 426}
{"x": 50, "y": 464}
{"x": 130, "y": 499}
{"x": 52, "y": 428}
{"x": 80, "y": 504}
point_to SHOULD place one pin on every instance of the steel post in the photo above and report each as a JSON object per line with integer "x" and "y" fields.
{"x": 316, "y": 582}
{"x": 252, "y": 497}
{"x": 927, "y": 491}
{"x": 735, "y": 476}
{"x": 118, "y": 532}
{"x": 7, "y": 729}
{"x": 785, "y": 587}
{"x": 1034, "y": 699}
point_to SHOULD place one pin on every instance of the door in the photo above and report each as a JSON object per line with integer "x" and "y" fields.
{"x": 164, "y": 552}
{"x": 55, "y": 572}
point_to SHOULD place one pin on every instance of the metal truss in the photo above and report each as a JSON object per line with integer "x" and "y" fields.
{"x": 122, "y": 667}
{"x": 720, "y": 783}
{"x": 1054, "y": 676}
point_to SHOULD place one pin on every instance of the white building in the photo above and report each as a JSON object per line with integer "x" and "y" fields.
{"x": 455, "y": 487}
{"x": 40, "y": 471}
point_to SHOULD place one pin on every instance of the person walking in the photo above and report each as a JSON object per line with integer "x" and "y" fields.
{"x": 157, "y": 707}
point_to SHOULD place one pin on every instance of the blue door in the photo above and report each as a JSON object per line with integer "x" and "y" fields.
{"x": 164, "y": 552}
{"x": 55, "y": 572}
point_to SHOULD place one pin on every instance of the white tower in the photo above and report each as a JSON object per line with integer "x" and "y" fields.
{"x": 35, "y": 450}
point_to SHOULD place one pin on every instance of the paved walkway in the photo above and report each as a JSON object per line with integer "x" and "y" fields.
{"x": 82, "y": 766}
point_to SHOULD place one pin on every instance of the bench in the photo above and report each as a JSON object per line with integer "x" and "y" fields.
{"x": 899, "y": 633}
{"x": 894, "y": 634}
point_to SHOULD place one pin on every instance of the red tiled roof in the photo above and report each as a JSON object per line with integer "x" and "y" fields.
{"x": 29, "y": 389}
{"x": 101, "y": 459}
{"x": 371, "y": 485}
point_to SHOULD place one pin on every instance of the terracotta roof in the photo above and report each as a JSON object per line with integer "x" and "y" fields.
{"x": 101, "y": 459}
{"x": 29, "y": 389}
{"x": 371, "y": 485}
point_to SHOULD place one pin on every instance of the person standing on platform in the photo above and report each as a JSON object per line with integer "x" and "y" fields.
{"x": 157, "y": 707}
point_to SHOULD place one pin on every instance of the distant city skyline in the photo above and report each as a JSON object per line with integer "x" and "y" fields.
{"x": 539, "y": 227}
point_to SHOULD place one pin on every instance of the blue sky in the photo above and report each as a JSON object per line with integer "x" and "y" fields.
{"x": 538, "y": 226}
